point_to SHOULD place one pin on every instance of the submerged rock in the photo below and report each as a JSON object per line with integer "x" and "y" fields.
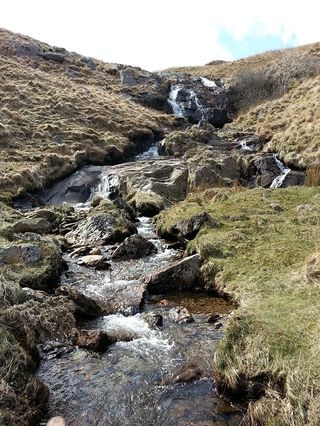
{"x": 180, "y": 275}
{"x": 93, "y": 340}
{"x": 134, "y": 247}
{"x": 180, "y": 315}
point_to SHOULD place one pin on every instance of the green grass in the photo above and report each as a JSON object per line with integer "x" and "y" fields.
{"x": 271, "y": 348}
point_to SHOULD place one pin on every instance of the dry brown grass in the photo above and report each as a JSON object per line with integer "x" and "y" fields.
{"x": 50, "y": 124}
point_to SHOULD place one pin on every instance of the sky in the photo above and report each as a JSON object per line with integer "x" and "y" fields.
{"x": 157, "y": 34}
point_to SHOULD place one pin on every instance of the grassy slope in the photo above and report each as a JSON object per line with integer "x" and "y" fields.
{"x": 276, "y": 95}
{"x": 51, "y": 123}
{"x": 259, "y": 256}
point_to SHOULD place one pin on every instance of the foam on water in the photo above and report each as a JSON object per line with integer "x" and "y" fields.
{"x": 278, "y": 181}
{"x": 208, "y": 83}
{"x": 175, "y": 105}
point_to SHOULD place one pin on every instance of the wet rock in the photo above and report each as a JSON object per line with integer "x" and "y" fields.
{"x": 213, "y": 318}
{"x": 187, "y": 373}
{"x": 37, "y": 225}
{"x": 189, "y": 228}
{"x": 96, "y": 261}
{"x": 180, "y": 315}
{"x": 154, "y": 319}
{"x": 93, "y": 340}
{"x": 268, "y": 170}
{"x": 180, "y": 275}
{"x": 101, "y": 228}
{"x": 84, "y": 305}
{"x": 218, "y": 325}
{"x": 56, "y": 421}
{"x": 74, "y": 189}
{"x": 134, "y": 247}
{"x": 25, "y": 253}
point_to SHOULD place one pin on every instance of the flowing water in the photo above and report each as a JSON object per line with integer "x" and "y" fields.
{"x": 134, "y": 382}
{"x": 278, "y": 181}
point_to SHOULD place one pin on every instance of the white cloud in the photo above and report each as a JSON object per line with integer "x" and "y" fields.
{"x": 159, "y": 34}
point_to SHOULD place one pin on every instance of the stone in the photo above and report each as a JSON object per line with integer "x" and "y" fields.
{"x": 53, "y": 56}
{"x": 189, "y": 228}
{"x": 37, "y": 225}
{"x": 180, "y": 275}
{"x": 49, "y": 215}
{"x": 56, "y": 421}
{"x": 213, "y": 318}
{"x": 154, "y": 319}
{"x": 294, "y": 178}
{"x": 95, "y": 250}
{"x": 96, "y": 261}
{"x": 180, "y": 315}
{"x": 25, "y": 253}
{"x": 84, "y": 305}
{"x": 101, "y": 228}
{"x": 134, "y": 247}
{"x": 37, "y": 295}
{"x": 93, "y": 340}
{"x": 187, "y": 373}
{"x": 268, "y": 169}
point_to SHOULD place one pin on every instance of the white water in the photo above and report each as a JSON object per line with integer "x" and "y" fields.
{"x": 243, "y": 145}
{"x": 278, "y": 181}
{"x": 109, "y": 183}
{"x": 208, "y": 83}
{"x": 152, "y": 152}
{"x": 176, "y": 107}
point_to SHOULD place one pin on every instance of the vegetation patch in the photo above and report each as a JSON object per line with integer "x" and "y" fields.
{"x": 265, "y": 254}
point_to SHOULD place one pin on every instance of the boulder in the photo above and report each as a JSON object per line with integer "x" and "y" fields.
{"x": 154, "y": 319}
{"x": 268, "y": 169}
{"x": 84, "y": 305}
{"x": 96, "y": 261}
{"x": 49, "y": 215}
{"x": 294, "y": 178}
{"x": 93, "y": 340}
{"x": 180, "y": 275}
{"x": 36, "y": 263}
{"x": 101, "y": 228}
{"x": 180, "y": 315}
{"x": 53, "y": 56}
{"x": 189, "y": 228}
{"x": 36, "y": 225}
{"x": 134, "y": 247}
{"x": 75, "y": 188}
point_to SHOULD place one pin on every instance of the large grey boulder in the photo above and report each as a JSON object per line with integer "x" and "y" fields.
{"x": 181, "y": 275}
{"x": 134, "y": 247}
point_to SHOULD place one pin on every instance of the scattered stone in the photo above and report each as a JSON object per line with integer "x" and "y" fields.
{"x": 134, "y": 247}
{"x": 276, "y": 207}
{"x": 95, "y": 251}
{"x": 180, "y": 315}
{"x": 181, "y": 275}
{"x": 96, "y": 261}
{"x": 218, "y": 325}
{"x": 93, "y": 340}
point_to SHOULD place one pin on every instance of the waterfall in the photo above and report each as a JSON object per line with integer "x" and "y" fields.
{"x": 175, "y": 105}
{"x": 243, "y": 145}
{"x": 109, "y": 183}
{"x": 278, "y": 181}
{"x": 179, "y": 106}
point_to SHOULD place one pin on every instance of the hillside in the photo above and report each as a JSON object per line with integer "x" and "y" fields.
{"x": 159, "y": 239}
{"x": 56, "y": 116}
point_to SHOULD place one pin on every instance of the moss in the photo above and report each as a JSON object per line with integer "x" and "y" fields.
{"x": 147, "y": 203}
{"x": 258, "y": 256}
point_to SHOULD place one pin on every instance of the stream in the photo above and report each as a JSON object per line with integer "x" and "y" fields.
{"x": 137, "y": 382}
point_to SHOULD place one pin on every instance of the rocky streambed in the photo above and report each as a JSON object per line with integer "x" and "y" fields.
{"x": 147, "y": 331}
